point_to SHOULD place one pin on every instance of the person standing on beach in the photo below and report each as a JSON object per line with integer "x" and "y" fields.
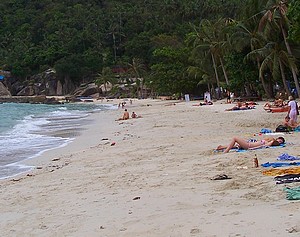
{"x": 293, "y": 111}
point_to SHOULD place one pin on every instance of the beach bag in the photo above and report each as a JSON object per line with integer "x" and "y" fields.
{"x": 282, "y": 128}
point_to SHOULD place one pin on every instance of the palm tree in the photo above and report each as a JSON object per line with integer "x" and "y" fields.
{"x": 201, "y": 46}
{"x": 275, "y": 59}
{"x": 275, "y": 13}
{"x": 106, "y": 76}
{"x": 137, "y": 69}
{"x": 202, "y": 70}
{"x": 212, "y": 38}
{"x": 245, "y": 36}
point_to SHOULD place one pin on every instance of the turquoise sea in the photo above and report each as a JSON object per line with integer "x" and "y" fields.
{"x": 28, "y": 130}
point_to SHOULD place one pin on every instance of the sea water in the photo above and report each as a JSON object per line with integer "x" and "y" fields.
{"x": 28, "y": 130}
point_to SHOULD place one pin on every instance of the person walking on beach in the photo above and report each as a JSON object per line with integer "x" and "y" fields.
{"x": 293, "y": 111}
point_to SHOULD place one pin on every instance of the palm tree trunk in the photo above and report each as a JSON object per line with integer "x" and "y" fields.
{"x": 215, "y": 68}
{"x": 142, "y": 85}
{"x": 286, "y": 88}
{"x": 216, "y": 73}
{"x": 105, "y": 87}
{"x": 266, "y": 88}
{"x": 208, "y": 87}
{"x": 224, "y": 71}
{"x": 290, "y": 53}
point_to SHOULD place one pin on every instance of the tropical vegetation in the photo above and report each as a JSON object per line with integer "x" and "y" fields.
{"x": 172, "y": 47}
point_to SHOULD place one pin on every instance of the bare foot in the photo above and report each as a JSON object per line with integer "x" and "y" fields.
{"x": 220, "y": 147}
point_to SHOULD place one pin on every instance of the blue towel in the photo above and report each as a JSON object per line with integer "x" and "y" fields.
{"x": 280, "y": 164}
{"x": 297, "y": 129}
{"x": 286, "y": 156}
{"x": 265, "y": 130}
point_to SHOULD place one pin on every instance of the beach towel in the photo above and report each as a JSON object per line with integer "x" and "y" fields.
{"x": 292, "y": 193}
{"x": 232, "y": 150}
{"x": 286, "y": 156}
{"x": 280, "y": 164}
{"x": 265, "y": 130}
{"x": 244, "y": 150}
{"x": 275, "y": 171}
{"x": 287, "y": 178}
{"x": 275, "y": 134}
{"x": 282, "y": 128}
{"x": 297, "y": 129}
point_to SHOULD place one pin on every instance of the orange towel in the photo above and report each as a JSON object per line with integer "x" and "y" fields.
{"x": 274, "y": 172}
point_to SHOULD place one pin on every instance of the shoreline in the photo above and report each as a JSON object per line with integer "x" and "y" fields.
{"x": 61, "y": 128}
{"x": 155, "y": 180}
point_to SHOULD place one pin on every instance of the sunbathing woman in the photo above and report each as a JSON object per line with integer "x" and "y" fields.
{"x": 238, "y": 142}
{"x": 241, "y": 106}
{"x": 277, "y": 103}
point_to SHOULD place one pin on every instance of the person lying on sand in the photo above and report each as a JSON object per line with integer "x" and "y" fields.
{"x": 125, "y": 115}
{"x": 238, "y": 142}
{"x": 275, "y": 104}
{"x": 240, "y": 106}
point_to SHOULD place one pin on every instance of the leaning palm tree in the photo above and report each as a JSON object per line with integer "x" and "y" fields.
{"x": 275, "y": 13}
{"x": 275, "y": 59}
{"x": 203, "y": 45}
{"x": 212, "y": 38}
{"x": 244, "y": 36}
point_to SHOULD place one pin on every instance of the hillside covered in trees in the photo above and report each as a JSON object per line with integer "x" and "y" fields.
{"x": 172, "y": 46}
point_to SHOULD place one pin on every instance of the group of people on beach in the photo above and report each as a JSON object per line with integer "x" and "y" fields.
{"x": 126, "y": 115}
{"x": 277, "y": 103}
{"x": 242, "y": 106}
{"x": 290, "y": 121}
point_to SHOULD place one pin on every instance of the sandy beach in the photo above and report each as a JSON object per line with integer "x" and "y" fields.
{"x": 151, "y": 176}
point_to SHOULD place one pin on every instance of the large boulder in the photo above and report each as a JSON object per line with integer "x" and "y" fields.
{"x": 87, "y": 90}
{"x": 27, "y": 91}
{"x": 3, "y": 90}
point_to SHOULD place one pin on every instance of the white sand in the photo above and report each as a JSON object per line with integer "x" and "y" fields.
{"x": 165, "y": 161}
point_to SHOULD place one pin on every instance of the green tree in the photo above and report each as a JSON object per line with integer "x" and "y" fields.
{"x": 106, "y": 76}
{"x": 276, "y": 13}
{"x": 294, "y": 16}
{"x": 211, "y": 38}
{"x": 274, "y": 59}
{"x": 246, "y": 37}
{"x": 137, "y": 69}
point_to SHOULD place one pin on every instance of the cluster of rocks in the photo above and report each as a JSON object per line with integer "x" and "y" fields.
{"x": 39, "y": 88}
{"x": 45, "y": 83}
